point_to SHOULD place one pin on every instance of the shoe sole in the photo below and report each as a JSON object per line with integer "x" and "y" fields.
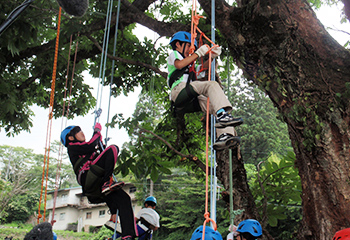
{"x": 109, "y": 227}
{"x": 232, "y": 143}
{"x": 228, "y": 124}
{"x": 113, "y": 188}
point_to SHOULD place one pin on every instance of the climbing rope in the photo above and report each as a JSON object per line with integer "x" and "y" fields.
{"x": 194, "y": 30}
{"x": 112, "y": 70}
{"x": 49, "y": 125}
{"x": 232, "y": 216}
{"x": 64, "y": 123}
{"x": 213, "y": 179}
{"x": 103, "y": 62}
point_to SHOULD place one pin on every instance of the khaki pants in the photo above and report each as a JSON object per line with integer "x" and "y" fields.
{"x": 217, "y": 99}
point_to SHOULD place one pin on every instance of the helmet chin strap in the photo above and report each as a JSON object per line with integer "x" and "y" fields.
{"x": 183, "y": 49}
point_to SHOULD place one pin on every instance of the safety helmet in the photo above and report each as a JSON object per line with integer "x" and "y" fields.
{"x": 250, "y": 226}
{"x": 64, "y": 134}
{"x": 54, "y": 236}
{"x": 151, "y": 199}
{"x": 182, "y": 36}
{"x": 210, "y": 234}
{"x": 342, "y": 234}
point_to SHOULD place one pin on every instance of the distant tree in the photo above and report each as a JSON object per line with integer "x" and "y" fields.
{"x": 263, "y": 131}
{"x": 21, "y": 181}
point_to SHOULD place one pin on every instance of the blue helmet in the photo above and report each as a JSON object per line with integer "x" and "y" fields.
{"x": 151, "y": 199}
{"x": 54, "y": 236}
{"x": 183, "y": 37}
{"x": 64, "y": 134}
{"x": 250, "y": 226}
{"x": 210, "y": 234}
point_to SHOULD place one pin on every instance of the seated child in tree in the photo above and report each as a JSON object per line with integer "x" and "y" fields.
{"x": 186, "y": 90}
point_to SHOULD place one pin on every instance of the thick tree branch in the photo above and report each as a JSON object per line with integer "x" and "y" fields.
{"x": 187, "y": 156}
{"x": 127, "y": 61}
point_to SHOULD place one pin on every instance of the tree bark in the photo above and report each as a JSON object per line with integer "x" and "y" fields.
{"x": 283, "y": 48}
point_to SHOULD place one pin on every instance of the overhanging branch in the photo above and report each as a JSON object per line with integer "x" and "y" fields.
{"x": 186, "y": 156}
{"x": 127, "y": 61}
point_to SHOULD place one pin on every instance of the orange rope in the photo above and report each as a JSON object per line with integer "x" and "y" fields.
{"x": 49, "y": 125}
{"x": 194, "y": 30}
{"x": 60, "y": 151}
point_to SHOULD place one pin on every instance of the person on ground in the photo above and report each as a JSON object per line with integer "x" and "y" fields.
{"x": 147, "y": 219}
{"x": 249, "y": 229}
{"x": 93, "y": 166}
{"x": 185, "y": 88}
{"x": 342, "y": 234}
{"x": 210, "y": 234}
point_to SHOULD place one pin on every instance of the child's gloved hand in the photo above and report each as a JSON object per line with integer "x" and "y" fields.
{"x": 202, "y": 51}
{"x": 97, "y": 127}
{"x": 216, "y": 51}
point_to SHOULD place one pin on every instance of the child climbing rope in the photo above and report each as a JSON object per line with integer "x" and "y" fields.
{"x": 185, "y": 90}
{"x": 248, "y": 229}
{"x": 147, "y": 219}
{"x": 93, "y": 167}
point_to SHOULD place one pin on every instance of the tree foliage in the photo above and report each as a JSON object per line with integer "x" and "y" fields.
{"x": 276, "y": 186}
{"x": 21, "y": 181}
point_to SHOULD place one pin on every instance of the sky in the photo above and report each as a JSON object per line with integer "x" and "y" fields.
{"x": 36, "y": 139}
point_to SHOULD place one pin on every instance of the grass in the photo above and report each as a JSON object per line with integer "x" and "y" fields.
{"x": 18, "y": 231}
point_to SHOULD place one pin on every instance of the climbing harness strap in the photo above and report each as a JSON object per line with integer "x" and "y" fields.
{"x": 146, "y": 224}
{"x": 176, "y": 75}
{"x": 187, "y": 99}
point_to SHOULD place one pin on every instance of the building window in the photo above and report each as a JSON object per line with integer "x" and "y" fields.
{"x": 88, "y": 215}
{"x": 132, "y": 190}
{"x": 102, "y": 213}
{"x": 64, "y": 197}
{"x": 62, "y": 216}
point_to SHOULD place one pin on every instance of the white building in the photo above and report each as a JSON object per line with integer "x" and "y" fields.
{"x": 72, "y": 208}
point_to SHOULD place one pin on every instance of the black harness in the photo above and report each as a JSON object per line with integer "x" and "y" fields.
{"x": 186, "y": 101}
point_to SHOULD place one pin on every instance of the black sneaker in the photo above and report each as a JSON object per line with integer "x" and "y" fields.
{"x": 226, "y": 140}
{"x": 226, "y": 120}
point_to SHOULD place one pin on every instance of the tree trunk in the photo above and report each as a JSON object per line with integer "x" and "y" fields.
{"x": 283, "y": 48}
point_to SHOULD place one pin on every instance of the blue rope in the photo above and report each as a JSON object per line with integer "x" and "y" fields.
{"x": 113, "y": 64}
{"x": 103, "y": 59}
{"x": 213, "y": 178}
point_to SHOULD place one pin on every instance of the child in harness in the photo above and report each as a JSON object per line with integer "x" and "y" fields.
{"x": 147, "y": 219}
{"x": 188, "y": 92}
{"x": 93, "y": 167}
